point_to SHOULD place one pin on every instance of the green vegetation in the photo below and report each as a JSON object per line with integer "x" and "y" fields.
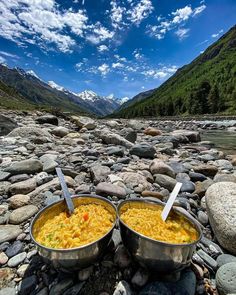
{"x": 205, "y": 86}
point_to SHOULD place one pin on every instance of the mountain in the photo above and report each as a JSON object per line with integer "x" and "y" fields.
{"x": 32, "y": 92}
{"x": 206, "y": 85}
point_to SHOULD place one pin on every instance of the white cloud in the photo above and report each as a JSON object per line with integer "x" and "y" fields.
{"x": 199, "y": 9}
{"x": 100, "y": 34}
{"x": 160, "y": 73}
{"x": 140, "y": 11}
{"x": 182, "y": 33}
{"x": 217, "y": 34}
{"x": 117, "y": 65}
{"x": 174, "y": 21}
{"x": 181, "y": 14}
{"x": 104, "y": 69}
{"x": 102, "y": 48}
{"x": 116, "y": 14}
{"x": 7, "y": 54}
{"x": 2, "y": 60}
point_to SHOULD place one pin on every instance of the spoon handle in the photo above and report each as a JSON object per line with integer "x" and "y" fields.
{"x": 65, "y": 190}
{"x": 170, "y": 201}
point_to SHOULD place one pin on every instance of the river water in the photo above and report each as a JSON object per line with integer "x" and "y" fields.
{"x": 223, "y": 140}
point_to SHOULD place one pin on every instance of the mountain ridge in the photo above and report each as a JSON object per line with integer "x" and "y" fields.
{"x": 205, "y": 85}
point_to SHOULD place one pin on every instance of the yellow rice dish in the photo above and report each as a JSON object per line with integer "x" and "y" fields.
{"x": 148, "y": 222}
{"x": 87, "y": 224}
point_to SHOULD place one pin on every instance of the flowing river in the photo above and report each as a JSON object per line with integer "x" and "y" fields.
{"x": 223, "y": 140}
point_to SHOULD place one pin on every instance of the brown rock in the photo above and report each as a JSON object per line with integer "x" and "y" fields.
{"x": 201, "y": 187}
{"x": 157, "y": 195}
{"x": 23, "y": 213}
{"x": 208, "y": 170}
{"x": 152, "y": 131}
{"x": 17, "y": 201}
{"x": 105, "y": 188}
{"x": 159, "y": 167}
{"x": 6, "y": 275}
{"x": 23, "y": 187}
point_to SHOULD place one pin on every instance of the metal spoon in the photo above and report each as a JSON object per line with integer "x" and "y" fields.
{"x": 65, "y": 190}
{"x": 170, "y": 202}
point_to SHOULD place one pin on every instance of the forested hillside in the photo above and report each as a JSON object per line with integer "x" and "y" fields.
{"x": 206, "y": 85}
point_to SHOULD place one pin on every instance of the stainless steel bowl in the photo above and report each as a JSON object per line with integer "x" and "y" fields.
{"x": 156, "y": 255}
{"x": 75, "y": 258}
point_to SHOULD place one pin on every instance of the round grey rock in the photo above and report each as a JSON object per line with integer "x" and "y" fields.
{"x": 225, "y": 258}
{"x": 226, "y": 279}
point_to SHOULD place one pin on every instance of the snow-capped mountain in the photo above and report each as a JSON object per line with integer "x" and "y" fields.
{"x": 56, "y": 86}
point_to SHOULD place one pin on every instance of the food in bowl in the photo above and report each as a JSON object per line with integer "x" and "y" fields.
{"x": 148, "y": 222}
{"x": 87, "y": 224}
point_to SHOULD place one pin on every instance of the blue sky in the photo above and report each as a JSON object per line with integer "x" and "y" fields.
{"x": 119, "y": 47}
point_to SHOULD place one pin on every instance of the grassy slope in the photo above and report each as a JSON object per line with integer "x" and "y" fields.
{"x": 216, "y": 65}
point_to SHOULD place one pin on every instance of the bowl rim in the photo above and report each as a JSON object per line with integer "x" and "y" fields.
{"x": 193, "y": 221}
{"x": 94, "y": 196}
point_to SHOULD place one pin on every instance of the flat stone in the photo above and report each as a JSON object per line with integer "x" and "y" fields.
{"x": 224, "y": 178}
{"x": 18, "y": 178}
{"x": 225, "y": 258}
{"x": 165, "y": 181}
{"x": 159, "y": 167}
{"x": 25, "y": 166}
{"x": 99, "y": 173}
{"x": 9, "y": 232}
{"x": 22, "y": 270}
{"x": 116, "y": 151}
{"x": 154, "y": 194}
{"x": 197, "y": 176}
{"x": 193, "y": 136}
{"x": 207, "y": 258}
{"x": 206, "y": 169}
{"x": 113, "y": 138}
{"x": 15, "y": 249}
{"x": 16, "y": 260}
{"x": 226, "y": 279}
{"x": 47, "y": 119}
{"x": 23, "y": 213}
{"x": 109, "y": 189}
{"x": 82, "y": 121}
{"x": 23, "y": 187}
{"x": 61, "y": 287}
{"x": 220, "y": 203}
{"x": 178, "y": 167}
{"x": 28, "y": 285}
{"x": 187, "y": 186}
{"x": 4, "y": 175}
{"x": 18, "y": 201}
{"x": 74, "y": 290}
{"x": 143, "y": 150}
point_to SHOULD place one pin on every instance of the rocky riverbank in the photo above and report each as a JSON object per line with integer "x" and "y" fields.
{"x": 119, "y": 159}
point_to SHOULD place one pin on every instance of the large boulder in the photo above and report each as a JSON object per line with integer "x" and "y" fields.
{"x": 25, "y": 166}
{"x": 6, "y": 125}
{"x": 27, "y": 132}
{"x": 113, "y": 138}
{"x": 193, "y": 136}
{"x": 220, "y": 204}
{"x": 83, "y": 121}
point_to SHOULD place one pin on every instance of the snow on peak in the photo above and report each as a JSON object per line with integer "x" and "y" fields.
{"x": 88, "y": 95}
{"x": 32, "y": 73}
{"x": 124, "y": 99}
{"x": 55, "y": 85}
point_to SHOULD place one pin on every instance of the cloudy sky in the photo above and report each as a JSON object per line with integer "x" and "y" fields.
{"x": 109, "y": 46}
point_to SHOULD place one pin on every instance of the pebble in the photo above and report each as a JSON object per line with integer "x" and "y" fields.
{"x": 207, "y": 258}
{"x": 23, "y": 213}
{"x": 22, "y": 270}
{"x": 61, "y": 287}
{"x": 225, "y": 258}
{"x": 122, "y": 257}
{"x": 19, "y": 200}
{"x": 202, "y": 217}
{"x": 109, "y": 189}
{"x": 25, "y": 166}
{"x": 8, "y": 291}
{"x": 28, "y": 285}
{"x": 3, "y": 258}
{"x": 9, "y": 232}
{"x": 226, "y": 279}
{"x": 16, "y": 260}
{"x": 140, "y": 278}
{"x": 165, "y": 181}
{"x": 143, "y": 150}
{"x": 85, "y": 273}
{"x": 23, "y": 187}
{"x": 14, "y": 249}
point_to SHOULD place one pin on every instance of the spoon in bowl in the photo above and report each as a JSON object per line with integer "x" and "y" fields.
{"x": 66, "y": 193}
{"x": 170, "y": 202}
